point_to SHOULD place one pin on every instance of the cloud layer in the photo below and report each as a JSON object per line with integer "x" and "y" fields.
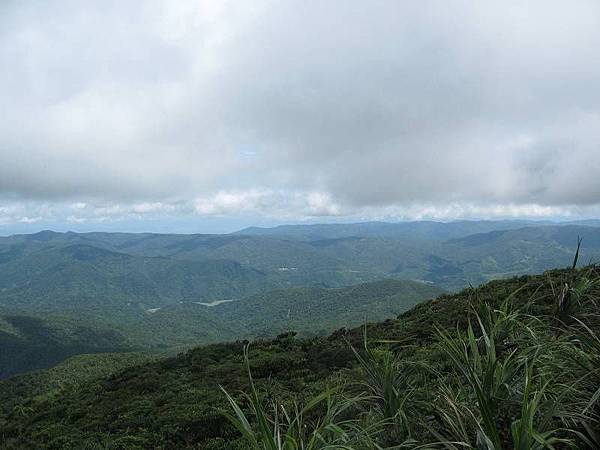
{"x": 299, "y": 109}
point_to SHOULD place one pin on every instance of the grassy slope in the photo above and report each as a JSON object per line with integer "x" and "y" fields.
{"x": 171, "y": 403}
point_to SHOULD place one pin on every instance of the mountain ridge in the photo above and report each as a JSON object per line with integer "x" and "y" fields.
{"x": 176, "y": 402}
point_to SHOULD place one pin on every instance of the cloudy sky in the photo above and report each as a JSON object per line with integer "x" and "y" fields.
{"x": 212, "y": 115}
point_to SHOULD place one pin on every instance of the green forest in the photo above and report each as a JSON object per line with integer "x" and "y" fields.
{"x": 65, "y": 294}
{"x": 510, "y": 364}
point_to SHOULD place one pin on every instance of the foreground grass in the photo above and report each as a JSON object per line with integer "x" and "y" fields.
{"x": 514, "y": 379}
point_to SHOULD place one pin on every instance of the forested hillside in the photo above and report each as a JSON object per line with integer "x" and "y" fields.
{"x": 451, "y": 255}
{"x": 97, "y": 292}
{"x": 34, "y": 340}
{"x": 513, "y": 363}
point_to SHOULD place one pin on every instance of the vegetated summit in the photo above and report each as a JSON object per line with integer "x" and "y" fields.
{"x": 511, "y": 364}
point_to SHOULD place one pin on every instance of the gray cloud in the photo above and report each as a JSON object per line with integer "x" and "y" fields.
{"x": 300, "y": 108}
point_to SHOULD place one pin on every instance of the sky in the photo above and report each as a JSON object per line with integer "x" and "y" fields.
{"x": 210, "y": 116}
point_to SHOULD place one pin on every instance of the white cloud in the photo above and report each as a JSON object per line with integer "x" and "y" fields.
{"x": 299, "y": 109}
{"x": 273, "y": 203}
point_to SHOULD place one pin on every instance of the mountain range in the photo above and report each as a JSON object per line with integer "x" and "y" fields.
{"x": 63, "y": 294}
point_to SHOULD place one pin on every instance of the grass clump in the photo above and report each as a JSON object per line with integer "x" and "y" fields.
{"x": 295, "y": 427}
{"x": 508, "y": 378}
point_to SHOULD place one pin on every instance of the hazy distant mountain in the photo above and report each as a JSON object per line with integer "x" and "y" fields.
{"x": 153, "y": 270}
{"x": 428, "y": 230}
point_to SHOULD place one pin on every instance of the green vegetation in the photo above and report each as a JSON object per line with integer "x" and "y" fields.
{"x": 69, "y": 373}
{"x": 491, "y": 367}
{"x": 316, "y": 310}
{"x": 290, "y": 428}
{"x": 93, "y": 282}
{"x": 30, "y": 342}
{"x": 98, "y": 292}
{"x": 51, "y": 270}
{"x": 34, "y": 342}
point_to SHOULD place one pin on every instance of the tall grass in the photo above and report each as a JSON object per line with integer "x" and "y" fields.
{"x": 507, "y": 380}
{"x": 488, "y": 375}
{"x": 499, "y": 368}
{"x": 579, "y": 288}
{"x": 586, "y": 401}
{"x": 289, "y": 428}
{"x": 386, "y": 380}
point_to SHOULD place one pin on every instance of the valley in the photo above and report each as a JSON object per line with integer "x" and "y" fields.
{"x": 63, "y": 294}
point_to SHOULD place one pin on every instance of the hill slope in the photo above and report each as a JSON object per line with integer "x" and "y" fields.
{"x": 171, "y": 403}
{"x": 85, "y": 278}
{"x": 425, "y": 230}
{"x": 147, "y": 288}
{"x": 30, "y": 342}
{"x": 450, "y": 255}
{"x": 315, "y": 310}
